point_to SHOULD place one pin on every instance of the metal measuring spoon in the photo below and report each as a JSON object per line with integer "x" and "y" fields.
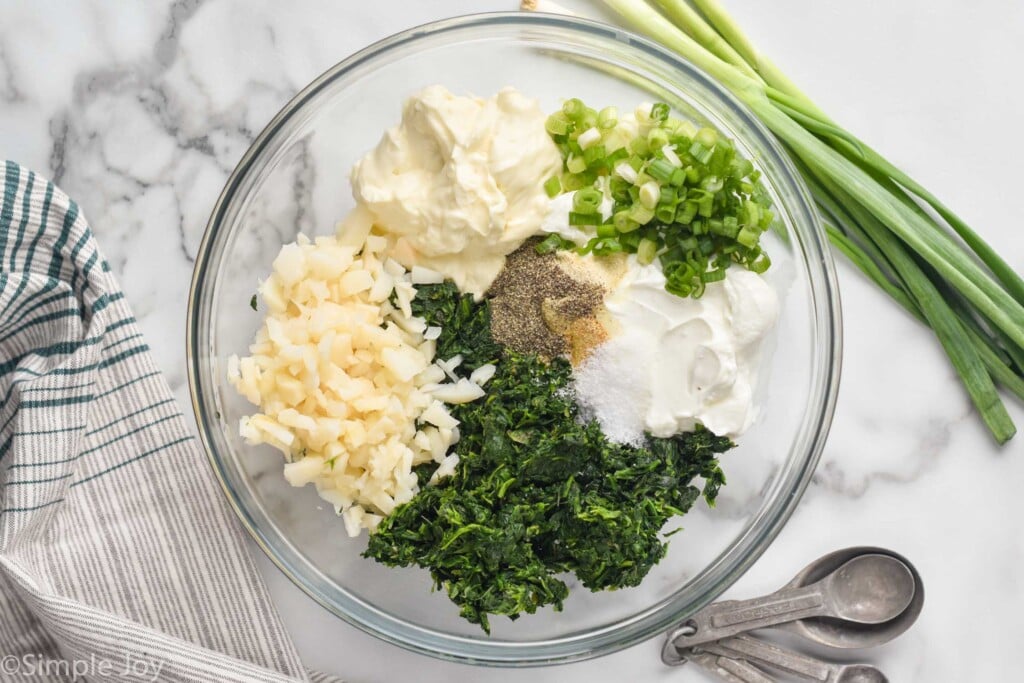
{"x": 728, "y": 669}
{"x": 843, "y": 634}
{"x": 762, "y": 653}
{"x": 869, "y": 588}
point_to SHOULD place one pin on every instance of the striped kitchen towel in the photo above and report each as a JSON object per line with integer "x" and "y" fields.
{"x": 119, "y": 559}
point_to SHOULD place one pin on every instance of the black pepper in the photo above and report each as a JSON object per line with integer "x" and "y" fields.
{"x": 536, "y": 302}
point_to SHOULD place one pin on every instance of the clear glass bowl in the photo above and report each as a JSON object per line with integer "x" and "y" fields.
{"x": 295, "y": 178}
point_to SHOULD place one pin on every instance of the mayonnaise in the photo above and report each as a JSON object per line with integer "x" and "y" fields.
{"x": 459, "y": 183}
{"x": 679, "y": 361}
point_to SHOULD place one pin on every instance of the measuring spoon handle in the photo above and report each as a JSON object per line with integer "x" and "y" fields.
{"x": 729, "y": 669}
{"x": 768, "y": 654}
{"x": 731, "y": 617}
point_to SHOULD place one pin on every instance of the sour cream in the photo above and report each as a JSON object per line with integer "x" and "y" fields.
{"x": 459, "y": 183}
{"x": 556, "y": 218}
{"x": 678, "y": 361}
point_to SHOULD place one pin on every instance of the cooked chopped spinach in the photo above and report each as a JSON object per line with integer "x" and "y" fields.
{"x": 537, "y": 492}
{"x": 465, "y": 324}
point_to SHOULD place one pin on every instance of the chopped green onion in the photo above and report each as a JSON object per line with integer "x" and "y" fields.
{"x": 553, "y": 187}
{"x": 626, "y": 172}
{"x": 615, "y": 156}
{"x": 686, "y": 212}
{"x": 557, "y": 124}
{"x": 630, "y": 240}
{"x": 574, "y": 108}
{"x": 657, "y": 139}
{"x": 712, "y": 183}
{"x": 589, "y": 138}
{"x": 595, "y": 156}
{"x": 640, "y": 213}
{"x": 707, "y": 137}
{"x": 587, "y": 200}
{"x": 618, "y": 187}
{"x": 639, "y": 147}
{"x": 606, "y": 245}
{"x": 706, "y": 206}
{"x": 742, "y": 167}
{"x": 650, "y": 193}
{"x": 623, "y": 223}
{"x": 760, "y": 264}
{"x": 552, "y": 243}
{"x": 687, "y": 129}
{"x": 701, "y": 209}
{"x": 575, "y": 164}
{"x": 573, "y": 181}
{"x": 665, "y": 213}
{"x": 700, "y": 152}
{"x": 607, "y": 118}
{"x": 577, "y": 218}
{"x": 687, "y": 243}
{"x": 661, "y": 170}
{"x": 748, "y": 237}
{"x": 646, "y": 251}
{"x": 671, "y": 156}
{"x": 751, "y": 213}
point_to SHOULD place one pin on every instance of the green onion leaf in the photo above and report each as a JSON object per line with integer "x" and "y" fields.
{"x": 551, "y": 243}
{"x": 577, "y": 218}
{"x": 573, "y": 109}
{"x": 659, "y": 111}
{"x": 646, "y": 251}
{"x": 552, "y": 187}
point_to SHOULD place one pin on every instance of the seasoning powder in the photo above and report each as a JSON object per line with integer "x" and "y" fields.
{"x": 541, "y": 304}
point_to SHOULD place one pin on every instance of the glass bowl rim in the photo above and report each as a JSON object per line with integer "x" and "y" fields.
{"x": 641, "y": 626}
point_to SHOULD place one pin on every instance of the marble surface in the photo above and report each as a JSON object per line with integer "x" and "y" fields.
{"x": 141, "y": 110}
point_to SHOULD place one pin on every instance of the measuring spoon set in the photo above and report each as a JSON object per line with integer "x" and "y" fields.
{"x": 854, "y": 598}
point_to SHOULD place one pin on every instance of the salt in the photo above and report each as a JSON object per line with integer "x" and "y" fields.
{"x": 613, "y": 386}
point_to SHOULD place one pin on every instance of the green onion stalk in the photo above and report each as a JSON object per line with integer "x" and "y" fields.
{"x": 916, "y": 249}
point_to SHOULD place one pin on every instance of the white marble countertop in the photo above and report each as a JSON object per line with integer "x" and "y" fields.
{"x": 140, "y": 111}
